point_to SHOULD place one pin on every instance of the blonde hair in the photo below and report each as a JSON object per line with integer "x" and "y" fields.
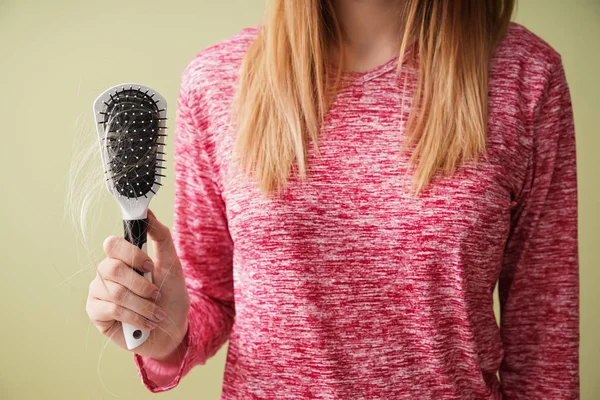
{"x": 284, "y": 76}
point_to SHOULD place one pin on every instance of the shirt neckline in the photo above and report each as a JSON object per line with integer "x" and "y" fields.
{"x": 365, "y": 76}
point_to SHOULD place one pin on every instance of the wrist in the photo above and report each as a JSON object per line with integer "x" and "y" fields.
{"x": 175, "y": 356}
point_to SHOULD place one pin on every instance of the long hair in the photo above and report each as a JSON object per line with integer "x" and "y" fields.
{"x": 284, "y": 77}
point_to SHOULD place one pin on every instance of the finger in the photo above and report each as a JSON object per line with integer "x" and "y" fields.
{"x": 95, "y": 313}
{"x": 105, "y": 311}
{"x": 120, "y": 295}
{"x": 117, "y": 271}
{"x": 159, "y": 233}
{"x": 119, "y": 248}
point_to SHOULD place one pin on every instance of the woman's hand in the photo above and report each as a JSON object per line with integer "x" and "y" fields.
{"x": 119, "y": 294}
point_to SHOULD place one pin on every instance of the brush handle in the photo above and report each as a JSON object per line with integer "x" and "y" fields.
{"x": 136, "y": 233}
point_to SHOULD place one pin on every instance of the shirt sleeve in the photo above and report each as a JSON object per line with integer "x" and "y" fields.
{"x": 539, "y": 282}
{"x": 203, "y": 244}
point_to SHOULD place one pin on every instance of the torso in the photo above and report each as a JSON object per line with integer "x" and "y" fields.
{"x": 347, "y": 284}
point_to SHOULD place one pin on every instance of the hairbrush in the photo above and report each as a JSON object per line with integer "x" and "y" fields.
{"x": 130, "y": 121}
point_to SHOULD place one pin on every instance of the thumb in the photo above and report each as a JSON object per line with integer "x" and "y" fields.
{"x": 160, "y": 235}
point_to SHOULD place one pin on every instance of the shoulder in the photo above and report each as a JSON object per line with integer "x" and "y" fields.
{"x": 219, "y": 62}
{"x": 520, "y": 45}
{"x": 523, "y": 68}
{"x": 207, "y": 88}
{"x": 525, "y": 71}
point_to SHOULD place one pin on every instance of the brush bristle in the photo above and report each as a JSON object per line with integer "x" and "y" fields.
{"x": 133, "y": 136}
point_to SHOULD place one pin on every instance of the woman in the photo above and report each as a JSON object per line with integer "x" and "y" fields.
{"x": 337, "y": 265}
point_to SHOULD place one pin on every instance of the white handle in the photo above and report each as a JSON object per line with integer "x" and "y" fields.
{"x": 135, "y": 336}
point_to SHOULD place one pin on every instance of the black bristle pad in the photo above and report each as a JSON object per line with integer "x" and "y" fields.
{"x": 132, "y": 126}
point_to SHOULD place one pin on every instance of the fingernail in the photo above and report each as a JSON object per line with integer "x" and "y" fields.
{"x": 159, "y": 314}
{"x": 156, "y": 295}
{"x": 148, "y": 266}
{"x": 150, "y": 324}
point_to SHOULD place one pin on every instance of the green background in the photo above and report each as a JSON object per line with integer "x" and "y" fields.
{"x": 56, "y": 57}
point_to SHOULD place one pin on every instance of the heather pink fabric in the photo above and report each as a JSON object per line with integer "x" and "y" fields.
{"x": 345, "y": 287}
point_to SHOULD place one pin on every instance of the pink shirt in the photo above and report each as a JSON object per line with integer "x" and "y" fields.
{"x": 348, "y": 288}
